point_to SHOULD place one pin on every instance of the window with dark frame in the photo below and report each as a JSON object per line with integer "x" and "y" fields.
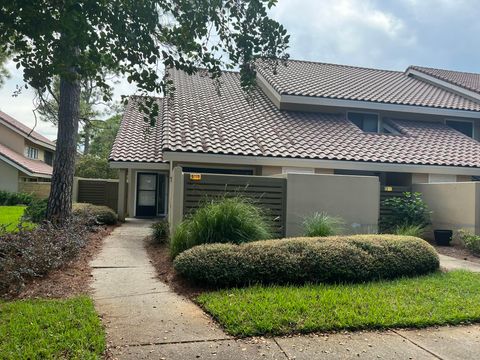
{"x": 465, "y": 127}
{"x": 49, "y": 157}
{"x": 365, "y": 121}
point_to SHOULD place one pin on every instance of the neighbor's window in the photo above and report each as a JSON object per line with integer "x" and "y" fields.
{"x": 465, "y": 127}
{"x": 366, "y": 122}
{"x": 32, "y": 152}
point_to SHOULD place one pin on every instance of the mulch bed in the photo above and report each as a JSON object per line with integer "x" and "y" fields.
{"x": 458, "y": 252}
{"x": 160, "y": 258}
{"x": 73, "y": 278}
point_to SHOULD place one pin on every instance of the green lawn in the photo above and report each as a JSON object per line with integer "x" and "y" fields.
{"x": 50, "y": 329}
{"x": 438, "y": 299}
{"x": 11, "y": 215}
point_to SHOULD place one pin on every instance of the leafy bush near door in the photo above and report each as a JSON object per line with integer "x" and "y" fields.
{"x": 406, "y": 210}
{"x": 470, "y": 241}
{"x": 354, "y": 258}
{"x": 226, "y": 220}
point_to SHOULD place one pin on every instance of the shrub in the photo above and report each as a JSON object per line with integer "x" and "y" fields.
{"x": 321, "y": 224}
{"x": 29, "y": 253}
{"x": 470, "y": 241}
{"x": 36, "y": 211}
{"x": 160, "y": 231}
{"x": 8, "y": 198}
{"x": 98, "y": 214}
{"x": 354, "y": 258}
{"x": 408, "y": 209}
{"x": 409, "y": 230}
{"x": 228, "y": 220}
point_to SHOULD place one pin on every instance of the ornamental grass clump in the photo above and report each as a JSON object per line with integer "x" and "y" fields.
{"x": 233, "y": 220}
{"x": 356, "y": 258}
{"x": 410, "y": 230}
{"x": 322, "y": 224}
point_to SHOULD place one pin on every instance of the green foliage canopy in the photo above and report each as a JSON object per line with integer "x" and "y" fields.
{"x": 133, "y": 38}
{"x": 94, "y": 167}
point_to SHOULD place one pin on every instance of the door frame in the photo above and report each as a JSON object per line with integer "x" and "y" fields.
{"x": 137, "y": 190}
{"x": 163, "y": 173}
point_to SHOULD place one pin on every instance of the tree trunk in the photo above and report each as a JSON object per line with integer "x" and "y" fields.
{"x": 59, "y": 206}
{"x": 86, "y": 136}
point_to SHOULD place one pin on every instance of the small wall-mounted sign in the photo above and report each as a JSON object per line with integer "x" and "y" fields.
{"x": 388, "y": 188}
{"x": 196, "y": 177}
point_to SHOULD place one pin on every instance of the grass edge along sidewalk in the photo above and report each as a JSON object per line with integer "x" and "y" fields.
{"x": 437, "y": 299}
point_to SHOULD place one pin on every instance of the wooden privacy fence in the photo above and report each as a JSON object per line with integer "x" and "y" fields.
{"x": 98, "y": 192}
{"x": 268, "y": 193}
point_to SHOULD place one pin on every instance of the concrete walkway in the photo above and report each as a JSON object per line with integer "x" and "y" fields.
{"x": 451, "y": 263}
{"x": 144, "y": 319}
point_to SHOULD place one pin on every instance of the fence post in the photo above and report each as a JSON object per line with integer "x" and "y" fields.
{"x": 175, "y": 212}
{"x": 122, "y": 177}
{"x": 75, "y": 189}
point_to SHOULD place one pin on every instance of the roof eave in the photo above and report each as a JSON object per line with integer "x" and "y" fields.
{"x": 30, "y": 138}
{"x": 180, "y": 156}
{"x": 23, "y": 169}
{"x": 281, "y": 100}
{"x": 462, "y": 91}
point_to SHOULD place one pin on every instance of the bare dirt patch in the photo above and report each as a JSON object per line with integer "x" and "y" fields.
{"x": 160, "y": 258}
{"x": 73, "y": 278}
{"x": 458, "y": 252}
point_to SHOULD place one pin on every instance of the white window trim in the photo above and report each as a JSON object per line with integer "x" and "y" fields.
{"x": 464, "y": 121}
{"x": 32, "y": 151}
{"x": 367, "y": 113}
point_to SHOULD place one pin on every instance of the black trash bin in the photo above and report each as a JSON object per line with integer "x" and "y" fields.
{"x": 443, "y": 237}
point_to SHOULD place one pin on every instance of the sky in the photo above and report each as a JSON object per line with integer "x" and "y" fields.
{"x": 385, "y": 34}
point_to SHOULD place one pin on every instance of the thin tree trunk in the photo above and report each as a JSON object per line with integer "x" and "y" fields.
{"x": 59, "y": 206}
{"x": 86, "y": 135}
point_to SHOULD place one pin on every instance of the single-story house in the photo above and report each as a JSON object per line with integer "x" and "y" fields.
{"x": 421, "y": 125}
{"x": 26, "y": 156}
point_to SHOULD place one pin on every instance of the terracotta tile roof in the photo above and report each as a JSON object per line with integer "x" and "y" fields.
{"x": 136, "y": 140}
{"x": 198, "y": 120}
{"x": 32, "y": 166}
{"x": 355, "y": 83}
{"x": 25, "y": 130}
{"x": 470, "y": 81}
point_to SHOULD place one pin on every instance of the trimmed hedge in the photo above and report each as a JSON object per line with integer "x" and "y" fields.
{"x": 100, "y": 214}
{"x": 355, "y": 258}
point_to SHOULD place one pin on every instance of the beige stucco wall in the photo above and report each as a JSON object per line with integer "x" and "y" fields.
{"x": 8, "y": 177}
{"x": 354, "y": 198}
{"x": 271, "y": 170}
{"x": 454, "y": 205}
{"x": 324, "y": 171}
{"x": 11, "y": 139}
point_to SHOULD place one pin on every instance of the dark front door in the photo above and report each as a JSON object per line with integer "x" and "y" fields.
{"x": 147, "y": 194}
